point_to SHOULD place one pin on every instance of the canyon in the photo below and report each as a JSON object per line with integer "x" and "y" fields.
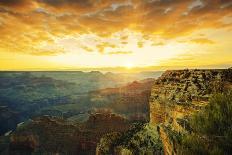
{"x": 174, "y": 98}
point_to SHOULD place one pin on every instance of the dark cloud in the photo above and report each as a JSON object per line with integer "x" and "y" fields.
{"x": 13, "y": 2}
{"x": 59, "y": 3}
{"x": 18, "y": 5}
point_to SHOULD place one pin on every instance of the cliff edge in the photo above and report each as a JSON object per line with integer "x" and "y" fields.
{"x": 177, "y": 94}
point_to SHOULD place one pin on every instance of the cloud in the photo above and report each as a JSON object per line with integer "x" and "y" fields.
{"x": 101, "y": 47}
{"x": 26, "y": 24}
{"x": 119, "y": 52}
{"x": 202, "y": 41}
{"x": 45, "y": 52}
{"x": 13, "y": 3}
{"x": 88, "y": 49}
{"x": 140, "y": 44}
{"x": 123, "y": 38}
{"x": 63, "y": 2}
{"x": 158, "y": 44}
{"x": 124, "y": 42}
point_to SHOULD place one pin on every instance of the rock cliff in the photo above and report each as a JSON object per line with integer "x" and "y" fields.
{"x": 52, "y": 135}
{"x": 177, "y": 94}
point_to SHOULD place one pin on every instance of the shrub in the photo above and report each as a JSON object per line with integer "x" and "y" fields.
{"x": 212, "y": 128}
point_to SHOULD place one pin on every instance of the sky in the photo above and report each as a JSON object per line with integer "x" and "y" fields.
{"x": 115, "y": 34}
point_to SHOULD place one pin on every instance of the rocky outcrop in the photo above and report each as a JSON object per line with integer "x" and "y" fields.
{"x": 176, "y": 95}
{"x": 140, "y": 139}
{"x": 106, "y": 122}
{"x": 52, "y": 135}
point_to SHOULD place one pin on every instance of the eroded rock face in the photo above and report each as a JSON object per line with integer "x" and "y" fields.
{"x": 52, "y": 135}
{"x": 176, "y": 95}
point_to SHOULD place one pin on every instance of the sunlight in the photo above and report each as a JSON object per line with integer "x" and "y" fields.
{"x": 129, "y": 65}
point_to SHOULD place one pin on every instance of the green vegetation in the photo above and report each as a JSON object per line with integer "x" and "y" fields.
{"x": 106, "y": 144}
{"x": 211, "y": 128}
{"x": 140, "y": 139}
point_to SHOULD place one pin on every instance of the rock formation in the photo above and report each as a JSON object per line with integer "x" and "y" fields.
{"x": 176, "y": 95}
{"x": 52, "y": 135}
{"x": 140, "y": 139}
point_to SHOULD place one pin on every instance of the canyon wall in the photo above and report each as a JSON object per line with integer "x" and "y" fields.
{"x": 52, "y": 135}
{"x": 177, "y": 94}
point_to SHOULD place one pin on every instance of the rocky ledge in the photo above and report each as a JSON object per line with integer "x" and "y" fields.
{"x": 177, "y": 94}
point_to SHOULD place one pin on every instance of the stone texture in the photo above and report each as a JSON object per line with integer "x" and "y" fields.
{"x": 177, "y": 94}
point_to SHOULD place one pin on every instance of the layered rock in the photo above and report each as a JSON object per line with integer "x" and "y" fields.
{"x": 52, "y": 135}
{"x": 176, "y": 95}
{"x": 131, "y": 100}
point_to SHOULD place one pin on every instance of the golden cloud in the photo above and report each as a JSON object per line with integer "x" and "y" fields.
{"x": 101, "y": 47}
{"x": 26, "y": 24}
{"x": 202, "y": 41}
{"x": 88, "y": 49}
{"x": 140, "y": 44}
{"x": 158, "y": 44}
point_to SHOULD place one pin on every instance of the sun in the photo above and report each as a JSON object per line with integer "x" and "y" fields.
{"x": 129, "y": 65}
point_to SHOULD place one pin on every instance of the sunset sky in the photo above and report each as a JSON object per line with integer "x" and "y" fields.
{"x": 115, "y": 34}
